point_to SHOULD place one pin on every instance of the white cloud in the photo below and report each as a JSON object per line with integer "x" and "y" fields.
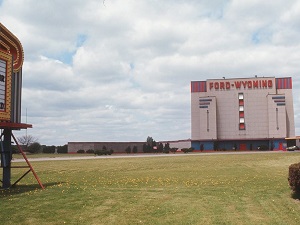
{"x": 121, "y": 70}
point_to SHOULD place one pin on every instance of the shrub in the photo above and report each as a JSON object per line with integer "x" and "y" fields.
{"x": 134, "y": 149}
{"x": 81, "y": 151}
{"x": 173, "y": 150}
{"x": 187, "y": 150}
{"x": 34, "y": 148}
{"x": 90, "y": 151}
{"x": 14, "y": 149}
{"x": 167, "y": 151}
{"x": 160, "y": 148}
{"x": 98, "y": 152}
{"x": 128, "y": 150}
{"x": 166, "y": 148}
{"x": 48, "y": 149}
{"x": 294, "y": 177}
{"x": 147, "y": 148}
{"x": 104, "y": 152}
{"x": 62, "y": 149}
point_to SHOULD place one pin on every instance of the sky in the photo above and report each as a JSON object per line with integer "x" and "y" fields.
{"x": 120, "y": 70}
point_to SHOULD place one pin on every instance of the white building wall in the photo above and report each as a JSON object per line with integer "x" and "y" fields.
{"x": 256, "y": 116}
{"x": 276, "y": 116}
{"x": 227, "y": 114}
{"x": 259, "y": 110}
{"x": 180, "y": 144}
{"x": 204, "y": 112}
{"x": 289, "y": 106}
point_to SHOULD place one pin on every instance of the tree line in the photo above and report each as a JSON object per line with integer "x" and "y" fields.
{"x": 30, "y": 144}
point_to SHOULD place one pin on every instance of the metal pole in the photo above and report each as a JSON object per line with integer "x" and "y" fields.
{"x": 6, "y": 159}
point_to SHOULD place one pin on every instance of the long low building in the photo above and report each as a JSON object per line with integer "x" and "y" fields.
{"x": 242, "y": 113}
{"x": 119, "y": 147}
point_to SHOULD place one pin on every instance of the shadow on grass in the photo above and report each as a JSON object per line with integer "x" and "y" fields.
{"x": 295, "y": 195}
{"x": 23, "y": 188}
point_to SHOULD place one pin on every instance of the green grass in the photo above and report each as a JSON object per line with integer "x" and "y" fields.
{"x": 198, "y": 189}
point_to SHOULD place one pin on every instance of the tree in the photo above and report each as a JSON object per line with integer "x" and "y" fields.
{"x": 26, "y": 141}
{"x": 62, "y": 149}
{"x": 160, "y": 148}
{"x": 128, "y": 150}
{"x": 34, "y": 148}
{"x": 134, "y": 149}
{"x": 150, "y": 141}
{"x": 48, "y": 149}
{"x": 173, "y": 150}
{"x": 167, "y": 148}
{"x": 144, "y": 148}
{"x": 150, "y": 144}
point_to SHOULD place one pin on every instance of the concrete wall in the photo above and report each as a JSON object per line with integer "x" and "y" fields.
{"x": 118, "y": 147}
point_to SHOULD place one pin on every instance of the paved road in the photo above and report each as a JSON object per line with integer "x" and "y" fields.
{"x": 141, "y": 155}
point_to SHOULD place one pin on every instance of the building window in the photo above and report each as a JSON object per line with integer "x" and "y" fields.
{"x": 241, "y": 111}
{"x": 241, "y": 96}
{"x": 242, "y": 126}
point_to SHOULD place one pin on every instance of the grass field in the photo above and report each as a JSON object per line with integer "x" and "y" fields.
{"x": 198, "y": 189}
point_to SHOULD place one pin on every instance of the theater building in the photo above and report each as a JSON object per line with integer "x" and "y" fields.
{"x": 242, "y": 113}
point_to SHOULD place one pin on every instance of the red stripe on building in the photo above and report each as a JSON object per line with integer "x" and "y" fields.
{"x": 198, "y": 86}
{"x": 284, "y": 83}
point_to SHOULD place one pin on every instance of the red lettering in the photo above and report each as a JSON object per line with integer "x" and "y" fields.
{"x": 249, "y": 84}
{"x": 255, "y": 84}
{"x": 270, "y": 83}
{"x": 244, "y": 83}
{"x": 216, "y": 85}
{"x": 227, "y": 85}
{"x": 237, "y": 84}
{"x": 222, "y": 85}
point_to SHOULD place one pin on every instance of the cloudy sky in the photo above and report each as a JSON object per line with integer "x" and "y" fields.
{"x": 120, "y": 70}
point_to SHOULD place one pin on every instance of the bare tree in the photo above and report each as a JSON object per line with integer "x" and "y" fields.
{"x": 26, "y": 140}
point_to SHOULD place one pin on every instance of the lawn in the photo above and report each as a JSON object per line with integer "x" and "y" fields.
{"x": 192, "y": 189}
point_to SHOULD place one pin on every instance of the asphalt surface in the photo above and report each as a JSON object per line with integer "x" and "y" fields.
{"x": 142, "y": 155}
